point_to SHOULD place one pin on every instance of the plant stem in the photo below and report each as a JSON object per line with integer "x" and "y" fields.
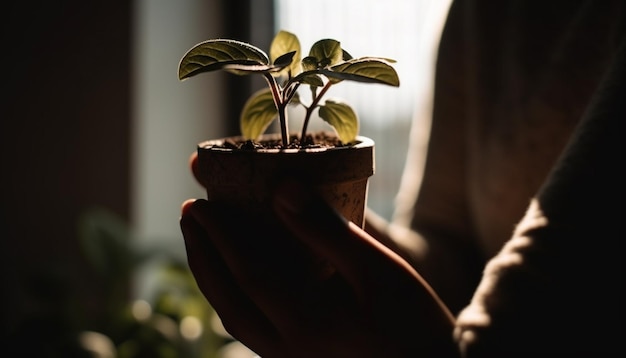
{"x": 281, "y": 107}
{"x": 309, "y": 109}
{"x": 282, "y": 117}
{"x": 290, "y": 92}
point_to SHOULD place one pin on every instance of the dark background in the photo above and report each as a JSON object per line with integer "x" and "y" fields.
{"x": 65, "y": 136}
{"x": 65, "y": 129}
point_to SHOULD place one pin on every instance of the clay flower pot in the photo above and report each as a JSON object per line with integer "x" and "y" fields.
{"x": 244, "y": 178}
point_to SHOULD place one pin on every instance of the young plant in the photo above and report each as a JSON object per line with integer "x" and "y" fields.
{"x": 285, "y": 71}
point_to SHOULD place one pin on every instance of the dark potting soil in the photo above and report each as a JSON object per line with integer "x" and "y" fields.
{"x": 314, "y": 140}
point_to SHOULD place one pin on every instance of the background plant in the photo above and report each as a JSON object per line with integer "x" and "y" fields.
{"x": 285, "y": 70}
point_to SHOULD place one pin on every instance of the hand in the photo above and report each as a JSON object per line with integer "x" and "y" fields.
{"x": 303, "y": 282}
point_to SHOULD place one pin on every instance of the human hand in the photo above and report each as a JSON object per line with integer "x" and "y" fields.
{"x": 265, "y": 278}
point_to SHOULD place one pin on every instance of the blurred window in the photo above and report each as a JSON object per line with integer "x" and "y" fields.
{"x": 404, "y": 30}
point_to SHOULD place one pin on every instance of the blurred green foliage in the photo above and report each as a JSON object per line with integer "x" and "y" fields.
{"x": 175, "y": 321}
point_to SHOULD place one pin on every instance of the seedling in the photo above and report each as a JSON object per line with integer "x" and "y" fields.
{"x": 285, "y": 71}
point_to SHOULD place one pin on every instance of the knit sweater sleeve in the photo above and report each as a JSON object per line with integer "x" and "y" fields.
{"x": 554, "y": 288}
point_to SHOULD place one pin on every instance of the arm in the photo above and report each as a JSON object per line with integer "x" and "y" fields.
{"x": 559, "y": 275}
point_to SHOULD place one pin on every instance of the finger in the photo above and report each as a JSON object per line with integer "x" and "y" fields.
{"x": 351, "y": 250}
{"x": 378, "y": 275}
{"x": 240, "y": 316}
{"x": 268, "y": 268}
{"x": 193, "y": 164}
{"x": 184, "y": 207}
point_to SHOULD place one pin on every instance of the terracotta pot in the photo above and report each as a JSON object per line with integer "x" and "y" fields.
{"x": 244, "y": 178}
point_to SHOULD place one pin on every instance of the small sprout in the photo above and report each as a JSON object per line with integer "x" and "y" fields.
{"x": 285, "y": 70}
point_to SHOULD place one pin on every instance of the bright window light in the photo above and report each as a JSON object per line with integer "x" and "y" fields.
{"x": 404, "y": 30}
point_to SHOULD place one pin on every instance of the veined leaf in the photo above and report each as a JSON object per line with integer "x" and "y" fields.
{"x": 241, "y": 69}
{"x": 257, "y": 113}
{"x": 280, "y": 63}
{"x": 285, "y": 42}
{"x": 313, "y": 80}
{"x": 326, "y": 53}
{"x": 309, "y": 63}
{"x": 216, "y": 54}
{"x": 342, "y": 118}
{"x": 367, "y": 69}
{"x": 285, "y": 60}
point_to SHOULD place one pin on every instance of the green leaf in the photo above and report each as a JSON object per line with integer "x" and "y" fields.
{"x": 285, "y": 60}
{"x": 217, "y": 54}
{"x": 366, "y": 69}
{"x": 280, "y": 63}
{"x": 326, "y": 52}
{"x": 342, "y": 118}
{"x": 346, "y": 56}
{"x": 309, "y": 63}
{"x": 313, "y": 80}
{"x": 241, "y": 70}
{"x": 285, "y": 42}
{"x": 257, "y": 113}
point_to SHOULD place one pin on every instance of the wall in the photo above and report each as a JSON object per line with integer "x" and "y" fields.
{"x": 64, "y": 137}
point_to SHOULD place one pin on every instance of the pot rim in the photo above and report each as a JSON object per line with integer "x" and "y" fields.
{"x": 217, "y": 145}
